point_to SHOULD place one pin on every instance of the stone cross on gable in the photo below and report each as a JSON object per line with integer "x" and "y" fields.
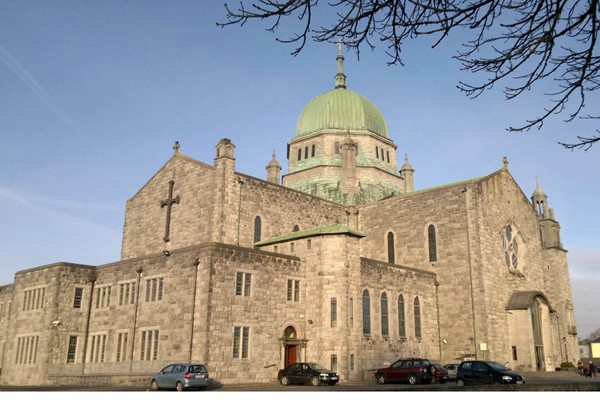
{"x": 169, "y": 203}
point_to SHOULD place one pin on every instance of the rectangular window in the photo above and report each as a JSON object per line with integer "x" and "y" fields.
{"x": 126, "y": 293}
{"x": 296, "y": 290}
{"x": 243, "y": 283}
{"x": 72, "y": 349}
{"x": 149, "y": 345}
{"x": 77, "y": 297}
{"x": 309, "y": 244}
{"x": 97, "y": 348}
{"x": 122, "y": 346}
{"x": 333, "y": 314}
{"x": 103, "y": 296}
{"x": 291, "y": 247}
{"x": 27, "y": 347}
{"x": 293, "y": 290}
{"x": 377, "y": 152}
{"x": 236, "y": 341}
{"x": 241, "y": 340}
{"x": 239, "y": 283}
{"x": 33, "y": 299}
{"x": 154, "y": 289}
{"x": 333, "y": 360}
{"x": 351, "y": 362}
{"x": 514, "y": 353}
{"x": 247, "y": 284}
{"x": 1, "y": 311}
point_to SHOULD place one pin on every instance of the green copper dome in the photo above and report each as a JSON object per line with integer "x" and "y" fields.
{"x": 342, "y": 109}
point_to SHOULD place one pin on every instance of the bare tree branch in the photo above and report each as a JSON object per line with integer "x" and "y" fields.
{"x": 517, "y": 42}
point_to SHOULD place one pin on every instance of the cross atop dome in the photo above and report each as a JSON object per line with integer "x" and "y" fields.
{"x": 340, "y": 78}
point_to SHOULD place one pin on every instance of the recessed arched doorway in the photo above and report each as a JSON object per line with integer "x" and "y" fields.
{"x": 292, "y": 346}
{"x": 530, "y": 331}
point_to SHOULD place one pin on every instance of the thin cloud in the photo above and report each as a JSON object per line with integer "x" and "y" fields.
{"x": 584, "y": 263}
{"x": 7, "y": 58}
{"x": 11, "y": 195}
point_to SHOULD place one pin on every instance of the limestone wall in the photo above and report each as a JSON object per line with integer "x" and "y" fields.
{"x": 145, "y": 219}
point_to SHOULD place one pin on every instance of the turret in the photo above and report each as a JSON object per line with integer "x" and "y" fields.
{"x": 273, "y": 170}
{"x": 348, "y": 180}
{"x": 408, "y": 176}
{"x": 540, "y": 201}
{"x": 549, "y": 227}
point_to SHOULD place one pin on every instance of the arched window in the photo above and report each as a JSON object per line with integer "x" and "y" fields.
{"x": 377, "y": 152}
{"x": 333, "y": 363}
{"x": 333, "y": 315}
{"x": 312, "y": 151}
{"x": 401, "y": 319}
{"x": 390, "y": 248}
{"x": 366, "y": 311}
{"x": 296, "y": 228}
{"x": 510, "y": 246}
{"x": 417, "y": 311}
{"x": 387, "y": 153}
{"x": 432, "y": 243}
{"x": 306, "y": 152}
{"x": 299, "y": 154}
{"x": 385, "y": 328}
{"x": 257, "y": 229}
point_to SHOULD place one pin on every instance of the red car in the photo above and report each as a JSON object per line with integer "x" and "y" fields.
{"x": 440, "y": 374}
{"x": 411, "y": 370}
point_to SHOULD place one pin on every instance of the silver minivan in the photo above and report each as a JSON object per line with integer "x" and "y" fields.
{"x": 180, "y": 377}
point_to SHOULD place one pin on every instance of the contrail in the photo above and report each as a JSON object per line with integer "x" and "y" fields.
{"x": 31, "y": 83}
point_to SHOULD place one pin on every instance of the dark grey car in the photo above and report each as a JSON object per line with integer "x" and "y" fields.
{"x": 486, "y": 372}
{"x": 181, "y": 377}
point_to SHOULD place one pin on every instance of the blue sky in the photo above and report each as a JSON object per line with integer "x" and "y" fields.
{"x": 93, "y": 95}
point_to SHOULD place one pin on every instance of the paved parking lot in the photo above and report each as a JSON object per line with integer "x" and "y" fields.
{"x": 535, "y": 381}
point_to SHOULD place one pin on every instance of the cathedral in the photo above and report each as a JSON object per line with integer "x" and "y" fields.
{"x": 339, "y": 261}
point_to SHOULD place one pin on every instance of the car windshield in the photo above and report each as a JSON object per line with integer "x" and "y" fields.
{"x": 316, "y": 366}
{"x": 498, "y": 367}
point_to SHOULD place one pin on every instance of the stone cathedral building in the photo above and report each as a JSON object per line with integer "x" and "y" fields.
{"x": 339, "y": 261}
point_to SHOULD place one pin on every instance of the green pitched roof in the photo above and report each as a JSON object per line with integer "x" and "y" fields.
{"x": 317, "y": 231}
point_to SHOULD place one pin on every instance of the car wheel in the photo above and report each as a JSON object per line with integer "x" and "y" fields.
{"x": 284, "y": 380}
{"x": 179, "y": 386}
{"x": 412, "y": 379}
{"x": 460, "y": 382}
{"x": 315, "y": 381}
{"x": 381, "y": 379}
{"x": 154, "y": 385}
{"x": 332, "y": 383}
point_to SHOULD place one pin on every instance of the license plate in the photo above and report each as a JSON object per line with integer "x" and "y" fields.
{"x": 334, "y": 378}
{"x": 200, "y": 376}
{"x": 520, "y": 382}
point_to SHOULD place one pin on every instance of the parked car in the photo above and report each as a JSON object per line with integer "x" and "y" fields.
{"x": 440, "y": 374}
{"x": 181, "y": 377}
{"x": 451, "y": 368}
{"x": 411, "y": 370}
{"x": 311, "y": 373}
{"x": 486, "y": 372}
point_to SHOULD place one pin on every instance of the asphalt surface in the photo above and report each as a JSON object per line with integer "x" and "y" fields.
{"x": 535, "y": 381}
